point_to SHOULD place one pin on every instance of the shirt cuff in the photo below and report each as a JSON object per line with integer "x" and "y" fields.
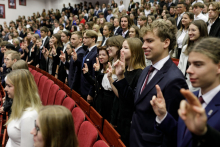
{"x": 160, "y": 121}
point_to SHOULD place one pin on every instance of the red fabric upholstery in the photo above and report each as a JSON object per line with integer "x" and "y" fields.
{"x": 96, "y": 118}
{"x": 30, "y": 69}
{"x": 69, "y": 103}
{"x": 31, "y": 66}
{"x": 59, "y": 97}
{"x": 78, "y": 117}
{"x": 100, "y": 143}
{"x": 41, "y": 85}
{"x": 110, "y": 134}
{"x": 87, "y": 135}
{"x": 52, "y": 94}
{"x": 46, "y": 90}
{"x": 37, "y": 78}
{"x": 33, "y": 72}
{"x": 38, "y": 69}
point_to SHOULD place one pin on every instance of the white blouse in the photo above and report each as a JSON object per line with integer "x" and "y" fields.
{"x": 19, "y": 129}
{"x": 181, "y": 37}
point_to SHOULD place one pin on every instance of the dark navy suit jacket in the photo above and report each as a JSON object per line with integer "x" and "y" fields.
{"x": 75, "y": 70}
{"x": 171, "y": 80}
{"x": 86, "y": 87}
{"x": 215, "y": 28}
{"x": 118, "y": 32}
{"x": 97, "y": 14}
{"x": 178, "y": 129}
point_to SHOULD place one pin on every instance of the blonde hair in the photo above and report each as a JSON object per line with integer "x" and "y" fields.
{"x": 15, "y": 40}
{"x": 20, "y": 64}
{"x": 137, "y": 60}
{"x": 25, "y": 93}
{"x": 55, "y": 121}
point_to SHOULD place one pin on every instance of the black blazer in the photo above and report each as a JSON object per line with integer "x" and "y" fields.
{"x": 180, "y": 23}
{"x": 118, "y": 32}
{"x": 75, "y": 70}
{"x": 86, "y": 88}
{"x": 215, "y": 28}
{"x": 42, "y": 60}
{"x": 171, "y": 80}
{"x": 127, "y": 34}
{"x": 105, "y": 13}
{"x": 130, "y": 7}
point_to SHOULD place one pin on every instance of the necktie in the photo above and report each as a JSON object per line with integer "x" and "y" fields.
{"x": 86, "y": 54}
{"x": 149, "y": 72}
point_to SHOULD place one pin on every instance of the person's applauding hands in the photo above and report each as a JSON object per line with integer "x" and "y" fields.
{"x": 120, "y": 66}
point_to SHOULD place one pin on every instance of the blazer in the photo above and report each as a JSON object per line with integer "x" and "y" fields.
{"x": 105, "y": 13}
{"x": 180, "y": 23}
{"x": 42, "y": 60}
{"x": 171, "y": 80}
{"x": 126, "y": 36}
{"x": 171, "y": 126}
{"x": 132, "y": 6}
{"x": 75, "y": 70}
{"x": 185, "y": 39}
{"x": 215, "y": 28}
{"x": 97, "y": 14}
{"x": 86, "y": 87}
{"x": 118, "y": 32}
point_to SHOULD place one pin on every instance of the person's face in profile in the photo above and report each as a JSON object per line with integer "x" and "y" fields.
{"x": 37, "y": 135}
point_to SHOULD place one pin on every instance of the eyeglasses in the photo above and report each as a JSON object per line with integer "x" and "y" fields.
{"x": 211, "y": 9}
{"x": 36, "y": 127}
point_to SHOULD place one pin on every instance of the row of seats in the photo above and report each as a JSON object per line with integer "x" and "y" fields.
{"x": 90, "y": 127}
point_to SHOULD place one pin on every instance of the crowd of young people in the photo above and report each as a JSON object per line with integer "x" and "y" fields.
{"x": 119, "y": 60}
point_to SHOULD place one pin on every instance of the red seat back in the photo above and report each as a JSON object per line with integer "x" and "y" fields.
{"x": 78, "y": 117}
{"x": 41, "y": 85}
{"x": 87, "y": 135}
{"x": 52, "y": 94}
{"x": 37, "y": 77}
{"x": 46, "y": 91}
{"x": 59, "y": 97}
{"x": 69, "y": 103}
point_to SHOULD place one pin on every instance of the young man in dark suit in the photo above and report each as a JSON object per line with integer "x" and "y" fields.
{"x": 181, "y": 8}
{"x": 159, "y": 39}
{"x": 89, "y": 40}
{"x": 104, "y": 10}
{"x": 117, "y": 30}
{"x": 75, "y": 64}
{"x": 45, "y": 44}
{"x": 214, "y": 22}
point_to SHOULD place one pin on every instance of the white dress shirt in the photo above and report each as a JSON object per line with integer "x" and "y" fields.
{"x": 201, "y": 17}
{"x": 56, "y": 30}
{"x": 181, "y": 37}
{"x": 44, "y": 39}
{"x": 179, "y": 18}
{"x": 64, "y": 46}
{"x": 210, "y": 26}
{"x": 121, "y": 7}
{"x": 124, "y": 33}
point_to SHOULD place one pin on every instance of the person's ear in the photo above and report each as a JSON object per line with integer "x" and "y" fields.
{"x": 166, "y": 43}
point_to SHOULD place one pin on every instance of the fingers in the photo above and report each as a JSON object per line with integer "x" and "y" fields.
{"x": 152, "y": 102}
{"x": 85, "y": 65}
{"x": 159, "y": 92}
{"x": 74, "y": 51}
{"x": 61, "y": 52}
{"x": 191, "y": 98}
{"x": 109, "y": 65}
{"x": 116, "y": 63}
{"x": 122, "y": 57}
{"x": 97, "y": 60}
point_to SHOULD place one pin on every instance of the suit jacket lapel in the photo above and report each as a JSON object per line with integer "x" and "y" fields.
{"x": 157, "y": 77}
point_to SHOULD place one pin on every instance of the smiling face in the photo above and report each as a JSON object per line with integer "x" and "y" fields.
{"x": 186, "y": 20}
{"x": 112, "y": 51}
{"x": 126, "y": 50}
{"x": 203, "y": 72}
{"x": 154, "y": 48}
{"x": 194, "y": 33}
{"x": 132, "y": 33}
{"x": 103, "y": 57}
{"x": 9, "y": 88}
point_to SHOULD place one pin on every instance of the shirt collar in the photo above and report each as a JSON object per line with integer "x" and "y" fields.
{"x": 207, "y": 97}
{"x": 65, "y": 44}
{"x": 91, "y": 48}
{"x": 160, "y": 63}
{"x": 123, "y": 33}
{"x": 181, "y": 15}
{"x": 77, "y": 48}
{"x": 44, "y": 38}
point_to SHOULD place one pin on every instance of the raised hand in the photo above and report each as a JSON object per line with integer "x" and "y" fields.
{"x": 192, "y": 113}
{"x": 109, "y": 70}
{"x": 96, "y": 65}
{"x": 46, "y": 52}
{"x": 32, "y": 49}
{"x": 62, "y": 56}
{"x": 85, "y": 69}
{"x": 54, "y": 51}
{"x": 43, "y": 50}
{"x": 74, "y": 55}
{"x": 158, "y": 103}
{"x": 120, "y": 66}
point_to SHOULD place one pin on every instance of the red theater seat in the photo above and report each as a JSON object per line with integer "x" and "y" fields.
{"x": 46, "y": 91}
{"x": 78, "y": 117}
{"x": 69, "y": 103}
{"x": 41, "y": 85}
{"x": 52, "y": 94}
{"x": 59, "y": 97}
{"x": 87, "y": 135}
{"x": 37, "y": 78}
{"x": 100, "y": 143}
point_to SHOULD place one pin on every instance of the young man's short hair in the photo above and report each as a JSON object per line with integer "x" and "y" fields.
{"x": 45, "y": 29}
{"x": 78, "y": 33}
{"x": 14, "y": 55}
{"x": 4, "y": 43}
{"x": 163, "y": 30}
{"x": 91, "y": 34}
{"x": 199, "y": 4}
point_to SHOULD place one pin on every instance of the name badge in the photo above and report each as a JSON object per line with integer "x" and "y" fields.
{"x": 87, "y": 59}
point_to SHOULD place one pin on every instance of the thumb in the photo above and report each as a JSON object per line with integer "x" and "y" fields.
{"x": 109, "y": 65}
{"x": 85, "y": 65}
{"x": 97, "y": 60}
{"x": 159, "y": 93}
